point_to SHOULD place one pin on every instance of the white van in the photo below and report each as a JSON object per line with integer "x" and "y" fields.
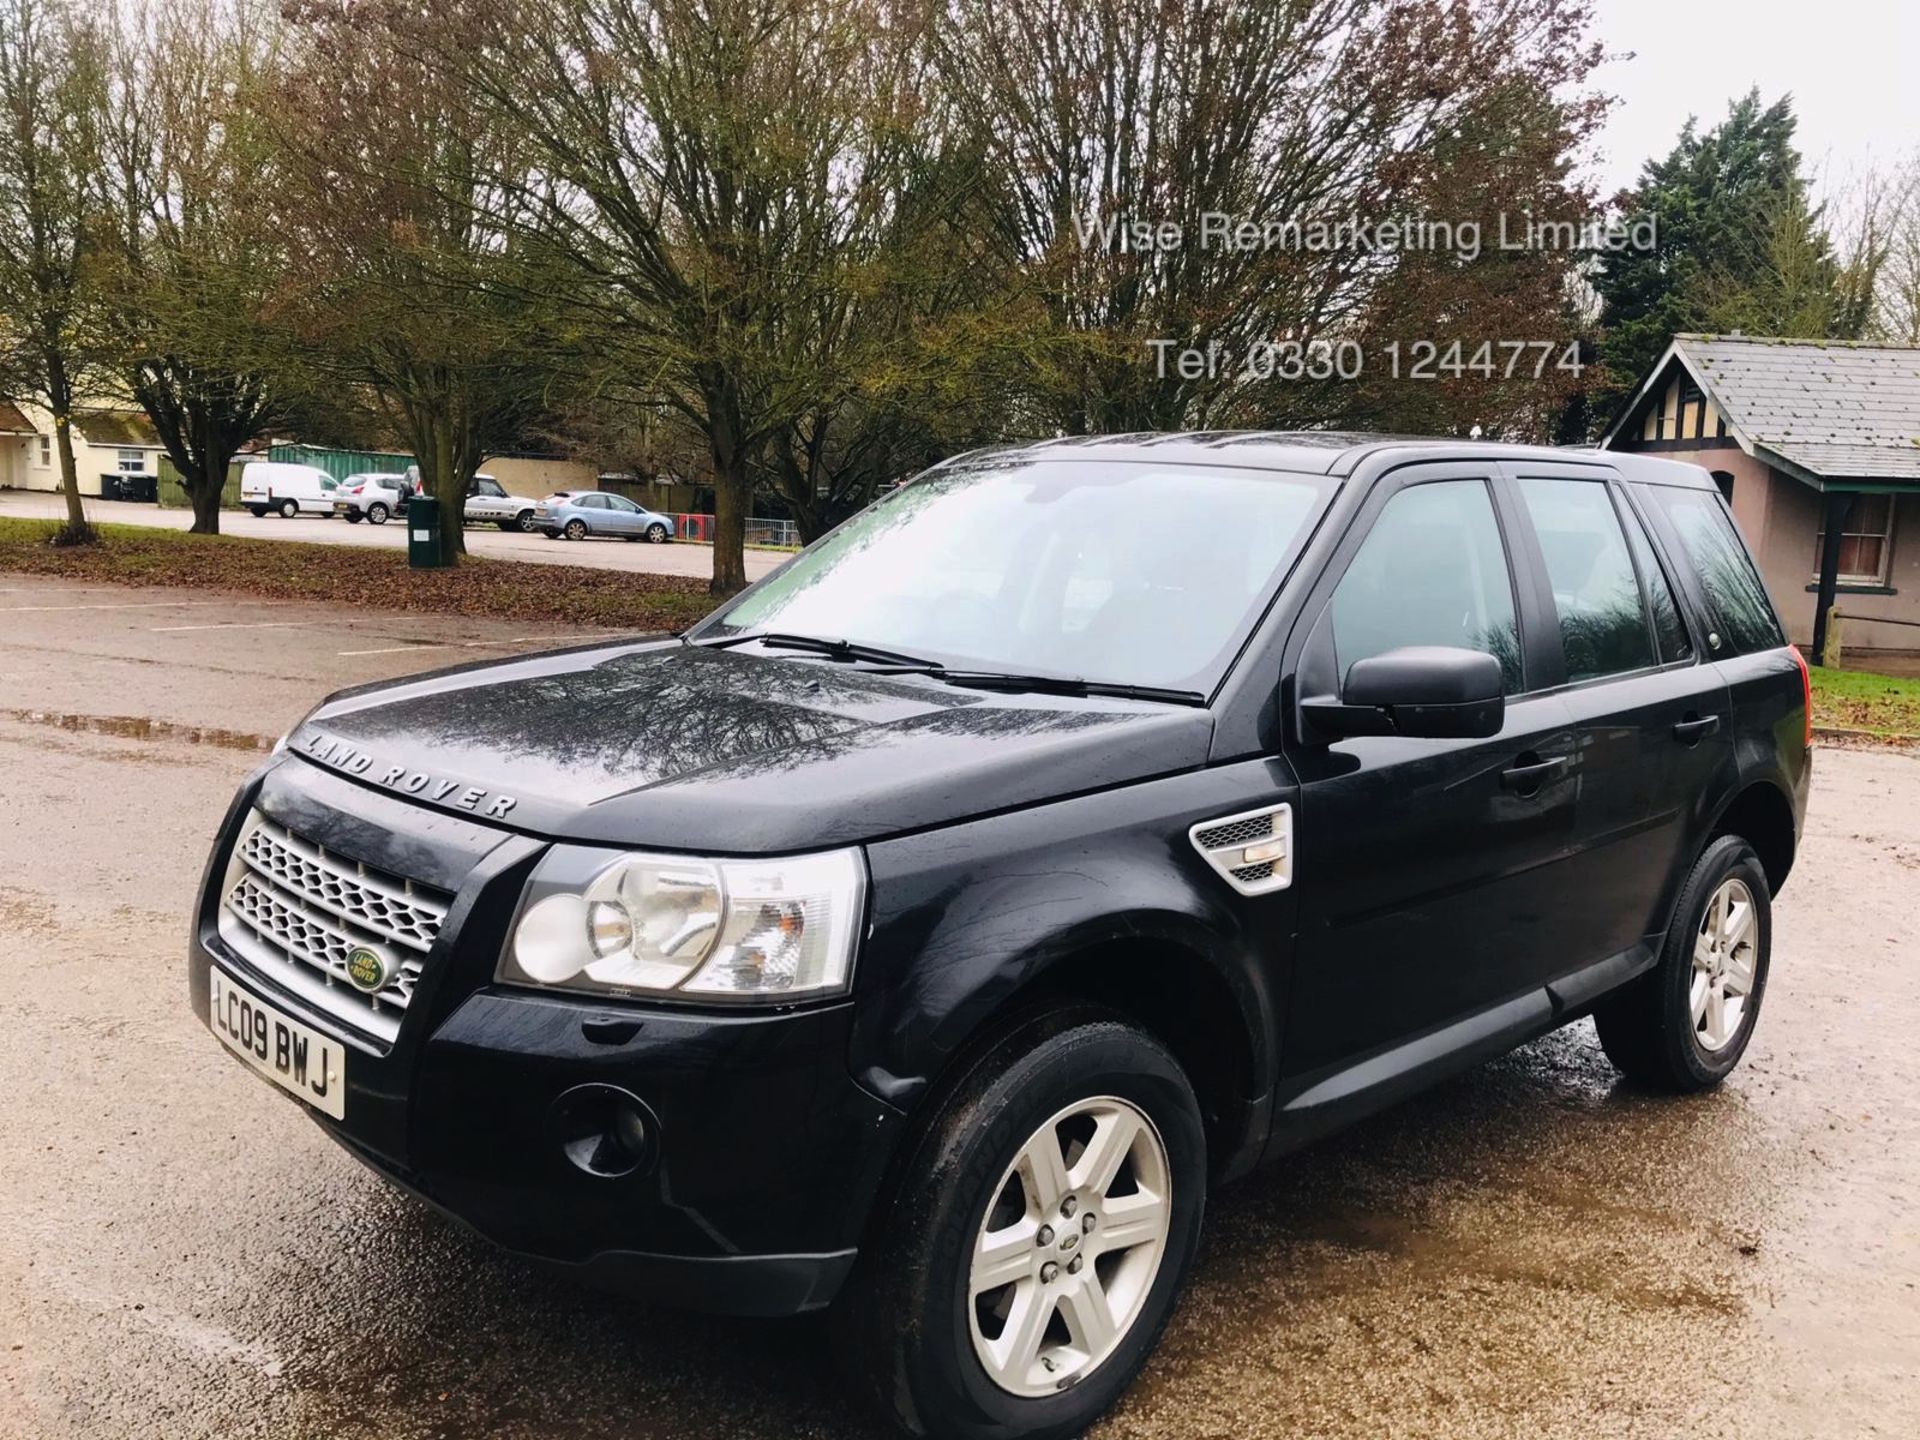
{"x": 289, "y": 489}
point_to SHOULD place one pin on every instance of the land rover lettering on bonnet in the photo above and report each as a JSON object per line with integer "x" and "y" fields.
{"x": 921, "y": 937}
{"x": 343, "y": 756}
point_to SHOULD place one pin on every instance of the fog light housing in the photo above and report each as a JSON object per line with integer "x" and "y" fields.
{"x": 605, "y": 1131}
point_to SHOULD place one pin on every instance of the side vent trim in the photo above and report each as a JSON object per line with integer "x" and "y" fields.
{"x": 1252, "y": 851}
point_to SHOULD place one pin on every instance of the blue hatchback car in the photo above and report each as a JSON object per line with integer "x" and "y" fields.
{"x": 579, "y": 514}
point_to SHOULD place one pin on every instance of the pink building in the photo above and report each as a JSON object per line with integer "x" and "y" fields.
{"x": 1802, "y": 436}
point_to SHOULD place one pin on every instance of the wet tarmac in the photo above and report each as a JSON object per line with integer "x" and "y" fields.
{"x": 1533, "y": 1250}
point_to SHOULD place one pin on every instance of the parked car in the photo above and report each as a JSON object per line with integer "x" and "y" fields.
{"x": 581, "y": 514}
{"x": 287, "y": 490}
{"x": 928, "y": 931}
{"x": 488, "y": 503}
{"x": 374, "y": 497}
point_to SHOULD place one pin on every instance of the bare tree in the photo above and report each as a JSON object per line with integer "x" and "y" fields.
{"x": 1118, "y": 124}
{"x": 1897, "y": 317}
{"x": 400, "y": 193}
{"x": 197, "y": 260}
{"x": 52, "y": 99}
{"x": 706, "y": 166}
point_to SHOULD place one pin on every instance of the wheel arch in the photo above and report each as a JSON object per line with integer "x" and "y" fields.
{"x": 1205, "y": 1009}
{"x": 1187, "y": 1002}
{"x": 1761, "y": 814}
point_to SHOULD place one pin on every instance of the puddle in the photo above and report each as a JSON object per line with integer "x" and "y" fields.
{"x": 141, "y": 727}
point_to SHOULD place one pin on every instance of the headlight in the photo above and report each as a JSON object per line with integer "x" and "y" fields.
{"x": 703, "y": 929}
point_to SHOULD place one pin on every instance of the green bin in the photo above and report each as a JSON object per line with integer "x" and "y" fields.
{"x": 423, "y": 533}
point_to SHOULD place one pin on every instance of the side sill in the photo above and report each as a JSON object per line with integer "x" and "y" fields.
{"x": 1334, "y": 1098}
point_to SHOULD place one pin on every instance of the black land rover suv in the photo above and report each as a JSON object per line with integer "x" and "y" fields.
{"x": 1072, "y": 830}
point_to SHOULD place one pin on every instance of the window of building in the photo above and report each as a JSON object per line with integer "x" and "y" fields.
{"x": 1432, "y": 571}
{"x": 1603, "y": 627}
{"x": 132, "y": 462}
{"x": 1865, "y": 534}
{"x": 46, "y": 451}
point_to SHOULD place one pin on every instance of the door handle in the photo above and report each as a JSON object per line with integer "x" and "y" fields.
{"x": 1534, "y": 773}
{"x": 1688, "y": 732}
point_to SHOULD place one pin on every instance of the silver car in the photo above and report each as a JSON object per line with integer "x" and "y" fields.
{"x": 580, "y": 514}
{"x": 488, "y": 503}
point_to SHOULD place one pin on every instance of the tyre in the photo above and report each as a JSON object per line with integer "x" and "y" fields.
{"x": 377, "y": 513}
{"x": 576, "y": 529}
{"x": 259, "y": 512}
{"x": 353, "y": 517}
{"x": 1031, "y": 1247}
{"x": 521, "y": 522}
{"x": 656, "y": 534}
{"x": 551, "y": 534}
{"x": 289, "y": 509}
{"x": 1684, "y": 1025}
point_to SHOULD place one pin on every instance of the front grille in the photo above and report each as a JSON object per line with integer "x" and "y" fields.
{"x": 296, "y": 911}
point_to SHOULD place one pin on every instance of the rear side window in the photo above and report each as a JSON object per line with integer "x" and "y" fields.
{"x": 1432, "y": 571}
{"x": 1669, "y": 629}
{"x": 1603, "y": 628}
{"x": 1737, "y": 602}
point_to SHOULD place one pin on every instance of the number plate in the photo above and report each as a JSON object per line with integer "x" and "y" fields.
{"x": 294, "y": 1057}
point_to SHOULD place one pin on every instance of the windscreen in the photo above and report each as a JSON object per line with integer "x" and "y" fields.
{"x": 1117, "y": 572}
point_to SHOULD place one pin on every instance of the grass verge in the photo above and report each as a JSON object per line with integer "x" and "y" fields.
{"x": 352, "y": 575}
{"x": 1881, "y": 705}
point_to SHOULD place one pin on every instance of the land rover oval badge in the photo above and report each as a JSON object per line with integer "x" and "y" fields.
{"x": 369, "y": 969}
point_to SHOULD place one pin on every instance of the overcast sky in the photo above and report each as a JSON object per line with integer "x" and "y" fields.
{"x": 1849, "y": 64}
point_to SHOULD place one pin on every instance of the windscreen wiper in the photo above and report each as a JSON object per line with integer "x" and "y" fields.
{"x": 1065, "y": 685}
{"x": 892, "y": 662}
{"x": 816, "y": 645}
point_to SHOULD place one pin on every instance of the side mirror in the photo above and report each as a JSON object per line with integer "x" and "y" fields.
{"x": 1434, "y": 691}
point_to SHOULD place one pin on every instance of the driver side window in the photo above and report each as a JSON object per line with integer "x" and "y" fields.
{"x": 1432, "y": 571}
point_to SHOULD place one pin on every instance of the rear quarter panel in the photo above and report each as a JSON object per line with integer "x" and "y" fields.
{"x": 1770, "y": 726}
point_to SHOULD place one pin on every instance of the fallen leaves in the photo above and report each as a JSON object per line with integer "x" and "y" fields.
{"x": 350, "y": 575}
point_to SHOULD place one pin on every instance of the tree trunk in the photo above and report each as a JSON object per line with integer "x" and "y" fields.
{"x": 76, "y": 531}
{"x": 448, "y": 485}
{"x": 206, "y": 509}
{"x": 732, "y": 492}
{"x": 730, "y": 495}
{"x": 809, "y": 519}
{"x": 204, "y": 479}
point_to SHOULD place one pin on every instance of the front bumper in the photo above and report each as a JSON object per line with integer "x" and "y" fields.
{"x": 763, "y": 1155}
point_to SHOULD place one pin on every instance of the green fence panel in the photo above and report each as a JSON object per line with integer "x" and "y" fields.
{"x": 341, "y": 463}
{"x": 172, "y": 497}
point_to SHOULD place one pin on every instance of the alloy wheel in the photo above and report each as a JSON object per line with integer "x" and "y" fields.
{"x": 1069, "y": 1246}
{"x": 1724, "y": 955}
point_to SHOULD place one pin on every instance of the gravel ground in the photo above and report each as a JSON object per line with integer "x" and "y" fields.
{"x": 1533, "y": 1250}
